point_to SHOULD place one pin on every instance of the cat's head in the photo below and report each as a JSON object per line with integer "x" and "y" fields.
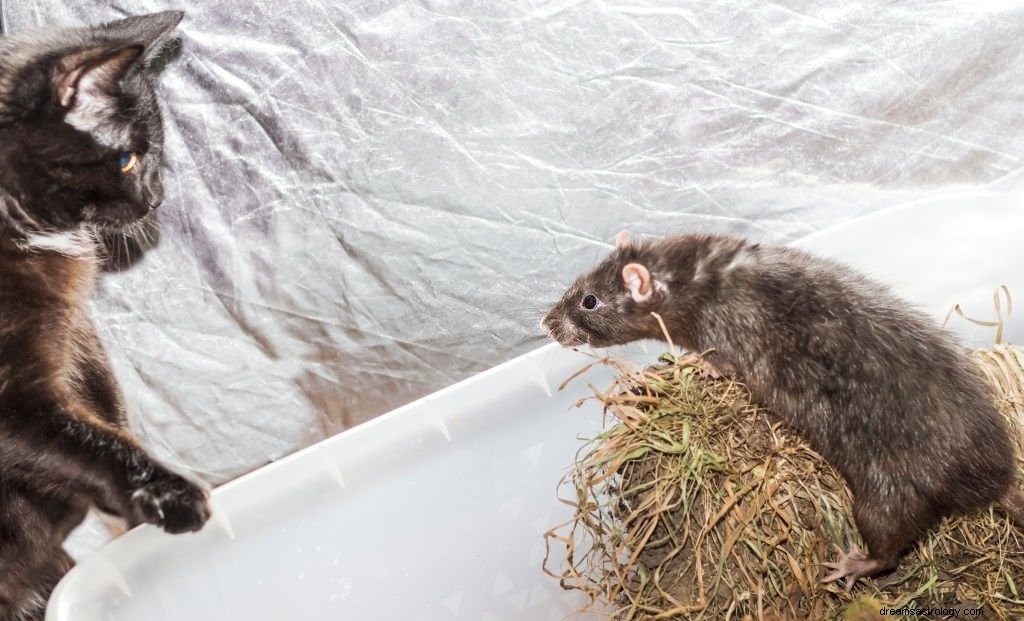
{"x": 81, "y": 134}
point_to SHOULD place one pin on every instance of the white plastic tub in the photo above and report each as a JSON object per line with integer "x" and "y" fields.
{"x": 437, "y": 510}
{"x": 434, "y": 511}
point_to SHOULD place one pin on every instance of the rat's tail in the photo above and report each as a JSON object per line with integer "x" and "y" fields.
{"x": 1013, "y": 503}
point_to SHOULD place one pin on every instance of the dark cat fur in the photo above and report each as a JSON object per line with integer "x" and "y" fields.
{"x": 73, "y": 104}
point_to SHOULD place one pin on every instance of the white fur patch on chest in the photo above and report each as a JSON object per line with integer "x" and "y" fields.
{"x": 68, "y": 243}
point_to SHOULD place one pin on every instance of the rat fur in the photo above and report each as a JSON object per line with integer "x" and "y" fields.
{"x": 878, "y": 389}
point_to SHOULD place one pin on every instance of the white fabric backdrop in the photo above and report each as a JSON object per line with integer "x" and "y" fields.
{"x": 370, "y": 200}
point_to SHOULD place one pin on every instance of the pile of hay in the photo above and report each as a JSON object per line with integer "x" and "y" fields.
{"x": 694, "y": 504}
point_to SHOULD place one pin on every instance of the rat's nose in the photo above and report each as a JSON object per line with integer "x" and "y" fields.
{"x": 548, "y": 326}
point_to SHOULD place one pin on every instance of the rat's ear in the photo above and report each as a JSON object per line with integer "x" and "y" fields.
{"x": 638, "y": 280}
{"x": 622, "y": 239}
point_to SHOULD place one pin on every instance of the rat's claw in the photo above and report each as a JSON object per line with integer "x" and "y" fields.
{"x": 705, "y": 368}
{"x": 852, "y": 566}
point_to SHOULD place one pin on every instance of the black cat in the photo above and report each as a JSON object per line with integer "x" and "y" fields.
{"x": 80, "y": 154}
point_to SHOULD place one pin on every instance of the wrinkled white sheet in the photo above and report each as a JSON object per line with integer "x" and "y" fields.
{"x": 369, "y": 200}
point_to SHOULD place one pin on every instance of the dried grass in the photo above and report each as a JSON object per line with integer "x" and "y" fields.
{"x": 694, "y": 504}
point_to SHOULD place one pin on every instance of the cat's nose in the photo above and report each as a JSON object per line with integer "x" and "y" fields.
{"x": 152, "y": 190}
{"x": 151, "y": 200}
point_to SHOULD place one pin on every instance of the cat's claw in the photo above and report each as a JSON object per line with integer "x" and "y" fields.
{"x": 172, "y": 502}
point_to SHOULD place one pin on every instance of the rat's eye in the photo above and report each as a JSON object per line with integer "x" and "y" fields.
{"x": 590, "y": 302}
{"x": 127, "y": 161}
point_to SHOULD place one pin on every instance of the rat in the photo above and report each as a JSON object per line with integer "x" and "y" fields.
{"x": 876, "y": 387}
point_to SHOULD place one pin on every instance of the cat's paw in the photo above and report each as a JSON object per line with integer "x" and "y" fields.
{"x": 172, "y": 502}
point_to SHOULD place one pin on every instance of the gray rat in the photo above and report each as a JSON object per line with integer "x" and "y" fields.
{"x": 879, "y": 390}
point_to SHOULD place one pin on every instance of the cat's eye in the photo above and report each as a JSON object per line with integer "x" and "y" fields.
{"x": 127, "y": 160}
{"x": 590, "y": 302}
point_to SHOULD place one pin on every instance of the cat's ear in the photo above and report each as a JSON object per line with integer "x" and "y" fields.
{"x": 152, "y": 31}
{"x": 85, "y": 79}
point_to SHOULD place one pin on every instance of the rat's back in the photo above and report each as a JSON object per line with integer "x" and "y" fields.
{"x": 878, "y": 388}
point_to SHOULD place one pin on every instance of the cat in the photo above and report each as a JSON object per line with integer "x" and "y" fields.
{"x": 81, "y": 138}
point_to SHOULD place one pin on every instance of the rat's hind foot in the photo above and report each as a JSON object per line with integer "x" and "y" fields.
{"x": 704, "y": 366}
{"x": 852, "y": 566}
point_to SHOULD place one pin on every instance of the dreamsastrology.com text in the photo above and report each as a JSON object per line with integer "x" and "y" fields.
{"x": 944, "y": 613}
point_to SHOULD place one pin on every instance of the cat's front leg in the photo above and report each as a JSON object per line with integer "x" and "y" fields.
{"x": 97, "y": 386}
{"x": 155, "y": 494}
{"x": 71, "y": 450}
{"x": 170, "y": 501}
